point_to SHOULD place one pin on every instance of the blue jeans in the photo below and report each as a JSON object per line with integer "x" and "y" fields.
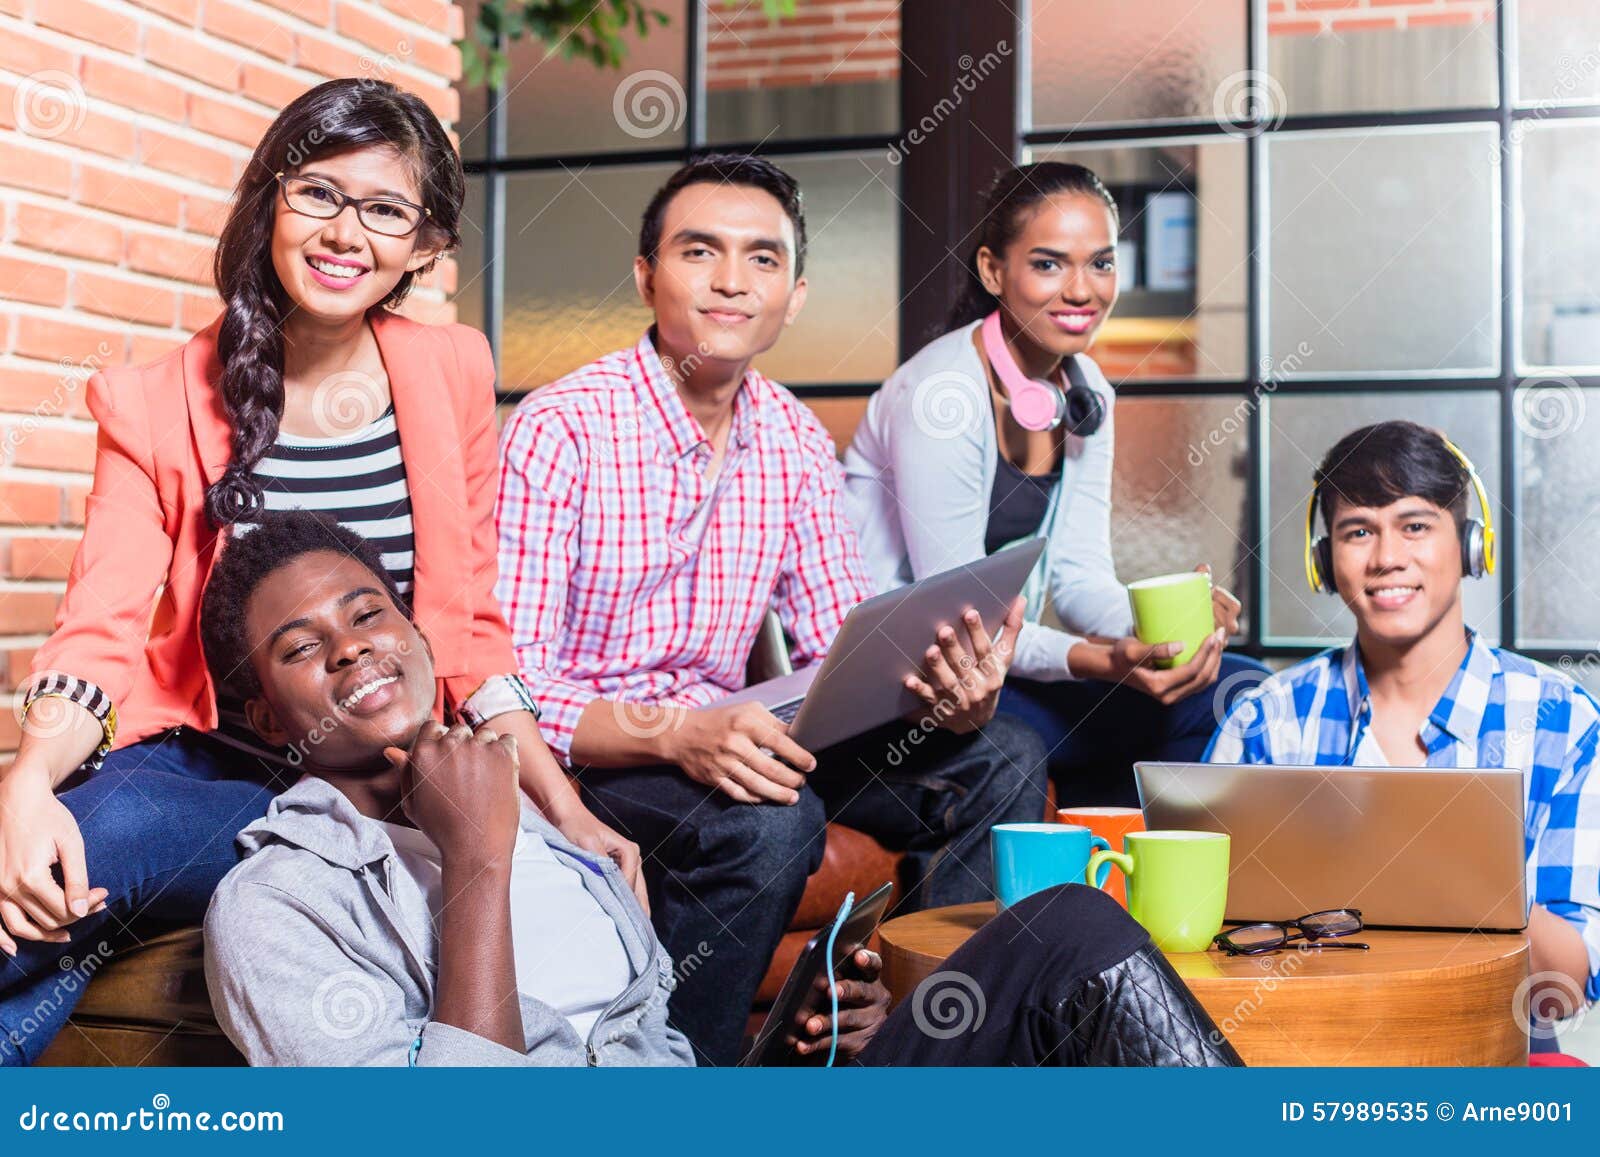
{"x": 158, "y": 821}
{"x": 725, "y": 878}
{"x": 1096, "y": 731}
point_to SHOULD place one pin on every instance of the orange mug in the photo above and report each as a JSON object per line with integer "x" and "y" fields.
{"x": 1111, "y": 824}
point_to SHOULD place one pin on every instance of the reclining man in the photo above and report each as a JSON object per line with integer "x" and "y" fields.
{"x": 403, "y": 903}
{"x": 652, "y": 506}
{"x": 1416, "y": 688}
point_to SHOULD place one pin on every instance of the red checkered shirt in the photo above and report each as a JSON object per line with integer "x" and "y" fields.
{"x": 626, "y": 575}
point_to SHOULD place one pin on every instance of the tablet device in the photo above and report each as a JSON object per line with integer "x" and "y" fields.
{"x": 801, "y": 996}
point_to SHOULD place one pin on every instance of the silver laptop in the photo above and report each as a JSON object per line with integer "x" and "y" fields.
{"x": 861, "y": 682}
{"x": 1412, "y": 847}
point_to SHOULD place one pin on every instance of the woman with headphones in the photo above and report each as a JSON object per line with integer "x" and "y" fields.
{"x": 1001, "y": 430}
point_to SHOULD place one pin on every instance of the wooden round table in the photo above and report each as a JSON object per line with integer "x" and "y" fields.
{"x": 1417, "y": 998}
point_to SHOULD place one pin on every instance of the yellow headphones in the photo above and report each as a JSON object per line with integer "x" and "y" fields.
{"x": 1477, "y": 538}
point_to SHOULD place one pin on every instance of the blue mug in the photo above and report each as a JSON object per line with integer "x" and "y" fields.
{"x": 1029, "y": 858}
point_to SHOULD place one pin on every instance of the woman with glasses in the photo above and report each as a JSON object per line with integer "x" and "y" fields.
{"x": 133, "y": 776}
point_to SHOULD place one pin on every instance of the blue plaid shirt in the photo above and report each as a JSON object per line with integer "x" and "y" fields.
{"x": 1500, "y": 710}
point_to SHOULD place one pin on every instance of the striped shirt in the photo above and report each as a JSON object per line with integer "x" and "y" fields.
{"x": 1500, "y": 710}
{"x": 357, "y": 478}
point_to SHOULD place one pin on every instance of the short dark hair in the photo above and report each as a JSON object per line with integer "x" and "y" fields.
{"x": 253, "y": 551}
{"x": 1388, "y": 461}
{"x": 727, "y": 169}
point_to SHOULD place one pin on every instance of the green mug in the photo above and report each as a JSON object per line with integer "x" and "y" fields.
{"x": 1173, "y": 608}
{"x": 1177, "y": 885}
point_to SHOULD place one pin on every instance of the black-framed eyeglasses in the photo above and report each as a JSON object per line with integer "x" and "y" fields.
{"x": 387, "y": 215}
{"x": 1319, "y": 930}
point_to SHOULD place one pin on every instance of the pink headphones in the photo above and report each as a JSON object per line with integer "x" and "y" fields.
{"x": 1038, "y": 404}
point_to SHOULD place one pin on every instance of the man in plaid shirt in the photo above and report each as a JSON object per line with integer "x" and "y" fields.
{"x": 653, "y": 505}
{"x": 1416, "y": 688}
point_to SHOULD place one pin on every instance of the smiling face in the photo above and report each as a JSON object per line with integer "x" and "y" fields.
{"x": 723, "y": 283}
{"x": 1398, "y": 569}
{"x": 343, "y": 672}
{"x": 335, "y": 268}
{"x": 1058, "y": 279}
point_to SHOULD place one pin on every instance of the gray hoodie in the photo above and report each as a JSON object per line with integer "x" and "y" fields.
{"x": 310, "y": 960}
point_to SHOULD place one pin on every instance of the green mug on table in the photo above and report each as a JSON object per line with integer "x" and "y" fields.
{"x": 1177, "y": 884}
{"x": 1173, "y": 608}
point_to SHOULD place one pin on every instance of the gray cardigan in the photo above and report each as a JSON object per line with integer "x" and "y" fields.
{"x": 918, "y": 475}
{"x": 310, "y": 962}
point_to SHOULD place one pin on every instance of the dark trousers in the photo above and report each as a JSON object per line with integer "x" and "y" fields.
{"x": 1064, "y": 977}
{"x": 1096, "y": 731}
{"x": 725, "y": 878}
{"x": 158, "y": 821}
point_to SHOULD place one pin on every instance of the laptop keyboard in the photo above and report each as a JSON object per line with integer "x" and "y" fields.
{"x": 787, "y": 711}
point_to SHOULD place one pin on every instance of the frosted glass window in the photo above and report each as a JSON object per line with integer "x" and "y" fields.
{"x": 1560, "y": 244}
{"x": 1558, "y": 474}
{"x": 1558, "y": 51}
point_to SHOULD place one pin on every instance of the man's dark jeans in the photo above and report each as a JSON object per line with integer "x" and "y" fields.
{"x": 725, "y": 878}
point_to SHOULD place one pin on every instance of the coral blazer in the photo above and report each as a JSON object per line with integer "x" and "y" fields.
{"x": 130, "y": 618}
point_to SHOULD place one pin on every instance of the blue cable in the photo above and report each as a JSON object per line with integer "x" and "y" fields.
{"x": 833, "y": 991}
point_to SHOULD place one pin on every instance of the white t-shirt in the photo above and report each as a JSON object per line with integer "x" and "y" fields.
{"x": 567, "y": 950}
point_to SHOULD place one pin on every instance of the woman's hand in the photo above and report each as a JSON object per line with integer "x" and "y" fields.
{"x": 963, "y": 682}
{"x": 583, "y": 827}
{"x": 37, "y": 832}
{"x": 1225, "y": 608}
{"x": 1134, "y": 663}
{"x": 863, "y": 1007}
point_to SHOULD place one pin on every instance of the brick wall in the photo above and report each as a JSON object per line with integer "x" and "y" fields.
{"x": 824, "y": 42}
{"x": 123, "y": 127}
{"x": 1297, "y": 17}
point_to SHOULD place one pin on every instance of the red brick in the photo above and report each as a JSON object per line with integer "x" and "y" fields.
{"x": 252, "y": 30}
{"x": 444, "y": 100}
{"x": 41, "y": 391}
{"x": 184, "y": 158}
{"x": 75, "y": 498}
{"x": 198, "y": 310}
{"x": 53, "y": 340}
{"x": 1419, "y": 19}
{"x": 33, "y": 281}
{"x": 29, "y": 168}
{"x": 204, "y": 215}
{"x": 270, "y": 85}
{"x": 11, "y": 7}
{"x": 120, "y": 298}
{"x": 132, "y": 88}
{"x": 320, "y": 56}
{"x": 435, "y": 15}
{"x": 170, "y": 257}
{"x": 183, "y": 54}
{"x": 78, "y": 126}
{"x": 311, "y": 11}
{"x": 43, "y": 447}
{"x": 226, "y": 120}
{"x": 29, "y": 503}
{"x": 386, "y": 37}
{"x": 27, "y": 613}
{"x": 22, "y": 53}
{"x": 35, "y": 557}
{"x": 183, "y": 11}
{"x": 67, "y": 231}
{"x": 18, "y": 667}
{"x": 98, "y": 23}
{"x": 1357, "y": 23}
{"x": 1294, "y": 27}
{"x": 143, "y": 349}
{"x": 128, "y": 195}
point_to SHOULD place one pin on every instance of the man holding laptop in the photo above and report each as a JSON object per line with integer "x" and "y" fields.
{"x": 652, "y": 506}
{"x": 1417, "y": 689}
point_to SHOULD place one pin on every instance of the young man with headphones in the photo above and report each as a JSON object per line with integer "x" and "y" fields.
{"x": 1418, "y": 688}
